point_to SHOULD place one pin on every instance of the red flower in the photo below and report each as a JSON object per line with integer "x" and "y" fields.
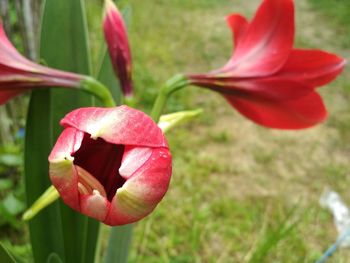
{"x": 112, "y": 164}
{"x": 18, "y": 74}
{"x": 267, "y": 80}
{"x": 118, "y": 46}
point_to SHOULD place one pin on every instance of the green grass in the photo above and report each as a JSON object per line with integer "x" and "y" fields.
{"x": 338, "y": 13}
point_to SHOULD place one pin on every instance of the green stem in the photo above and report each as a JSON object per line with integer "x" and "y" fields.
{"x": 120, "y": 237}
{"x": 175, "y": 83}
{"x": 47, "y": 198}
{"x": 99, "y": 90}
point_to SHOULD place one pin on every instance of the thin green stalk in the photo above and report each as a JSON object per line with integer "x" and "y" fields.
{"x": 175, "y": 83}
{"x": 47, "y": 198}
{"x": 99, "y": 90}
{"x": 119, "y": 244}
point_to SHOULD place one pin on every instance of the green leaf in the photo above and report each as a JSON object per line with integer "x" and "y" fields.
{"x": 54, "y": 258}
{"x": 5, "y": 256}
{"x": 64, "y": 26}
{"x": 6, "y": 184}
{"x": 13, "y": 160}
{"x": 107, "y": 77}
{"x": 46, "y": 227}
{"x": 119, "y": 244}
{"x": 13, "y": 205}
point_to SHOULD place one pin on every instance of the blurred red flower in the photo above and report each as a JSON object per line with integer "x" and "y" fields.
{"x": 266, "y": 79}
{"x": 18, "y": 74}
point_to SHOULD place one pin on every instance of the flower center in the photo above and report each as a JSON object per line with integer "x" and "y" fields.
{"x": 97, "y": 163}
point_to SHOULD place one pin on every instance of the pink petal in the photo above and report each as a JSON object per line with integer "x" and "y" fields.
{"x": 119, "y": 125}
{"x": 142, "y": 191}
{"x": 312, "y": 67}
{"x": 295, "y": 114}
{"x": 95, "y": 206}
{"x": 133, "y": 159}
{"x": 62, "y": 170}
{"x": 238, "y": 25}
{"x": 267, "y": 42}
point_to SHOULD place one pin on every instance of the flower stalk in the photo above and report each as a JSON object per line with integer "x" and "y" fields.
{"x": 98, "y": 90}
{"x": 175, "y": 83}
{"x": 47, "y": 198}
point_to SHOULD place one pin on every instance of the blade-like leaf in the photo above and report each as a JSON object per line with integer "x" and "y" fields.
{"x": 64, "y": 45}
{"x": 107, "y": 77}
{"x": 46, "y": 227}
{"x": 5, "y": 256}
{"x": 119, "y": 244}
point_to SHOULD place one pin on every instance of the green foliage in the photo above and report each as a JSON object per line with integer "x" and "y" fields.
{"x": 5, "y": 256}
{"x": 11, "y": 187}
{"x": 68, "y": 234}
{"x": 338, "y": 13}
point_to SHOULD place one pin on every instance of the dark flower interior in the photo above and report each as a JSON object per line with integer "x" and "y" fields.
{"x": 102, "y": 160}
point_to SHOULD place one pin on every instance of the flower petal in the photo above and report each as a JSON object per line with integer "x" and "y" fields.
{"x": 95, "y": 206}
{"x": 312, "y": 67}
{"x": 133, "y": 159}
{"x": 271, "y": 88}
{"x": 118, "y": 125}
{"x": 238, "y": 25}
{"x": 142, "y": 191}
{"x": 63, "y": 173}
{"x": 295, "y": 114}
{"x": 267, "y": 42}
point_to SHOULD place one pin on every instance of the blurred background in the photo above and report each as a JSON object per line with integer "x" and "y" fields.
{"x": 239, "y": 192}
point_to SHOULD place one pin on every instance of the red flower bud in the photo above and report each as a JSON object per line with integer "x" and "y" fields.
{"x": 267, "y": 80}
{"x": 18, "y": 74}
{"x": 118, "y": 46}
{"x": 112, "y": 164}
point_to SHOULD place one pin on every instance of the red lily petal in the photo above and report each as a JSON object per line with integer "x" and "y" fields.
{"x": 119, "y": 125}
{"x": 95, "y": 206}
{"x": 271, "y": 88}
{"x": 238, "y": 25}
{"x": 295, "y": 114}
{"x": 267, "y": 42}
{"x": 133, "y": 159}
{"x": 63, "y": 173}
{"x": 313, "y": 67}
{"x": 142, "y": 191}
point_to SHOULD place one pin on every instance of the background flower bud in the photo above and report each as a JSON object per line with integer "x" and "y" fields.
{"x": 118, "y": 46}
